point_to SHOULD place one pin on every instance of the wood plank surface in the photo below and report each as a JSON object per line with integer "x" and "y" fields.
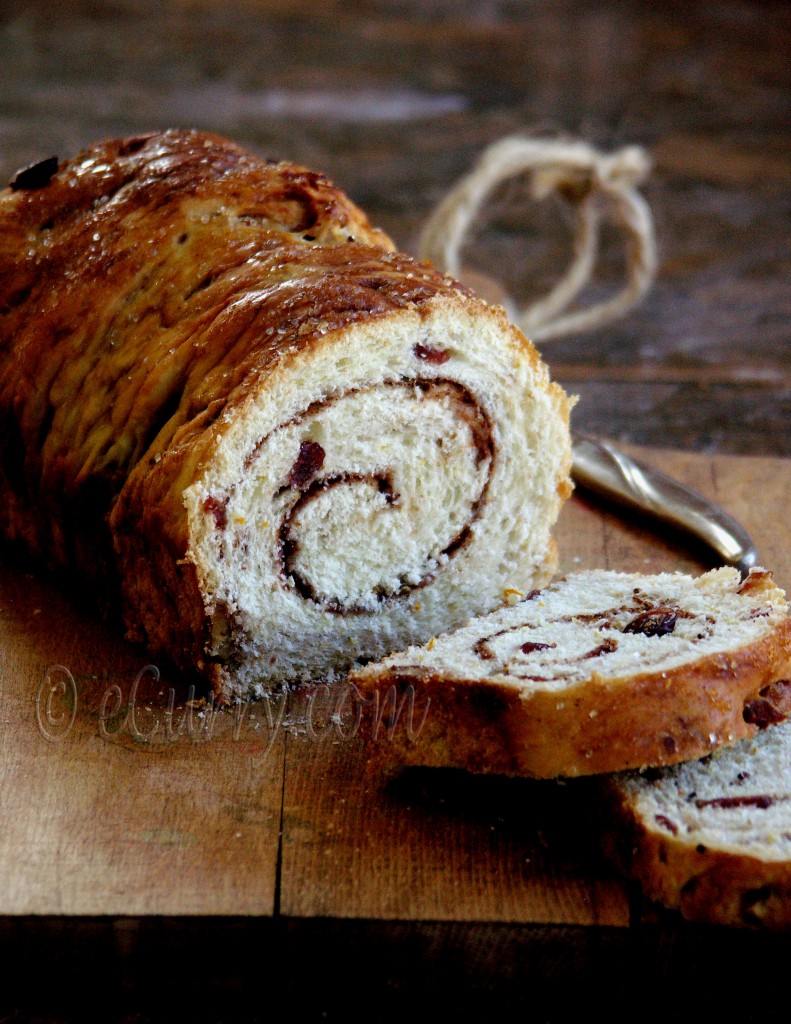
{"x": 117, "y": 803}
{"x": 102, "y": 815}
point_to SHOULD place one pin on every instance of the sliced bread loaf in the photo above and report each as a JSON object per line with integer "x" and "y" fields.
{"x": 599, "y": 672}
{"x": 712, "y": 838}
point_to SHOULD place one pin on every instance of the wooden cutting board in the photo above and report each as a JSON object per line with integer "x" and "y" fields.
{"x": 117, "y": 803}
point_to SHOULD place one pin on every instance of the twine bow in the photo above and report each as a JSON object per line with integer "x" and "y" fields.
{"x": 581, "y": 175}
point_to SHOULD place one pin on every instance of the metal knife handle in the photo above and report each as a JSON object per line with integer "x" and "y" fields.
{"x": 600, "y": 467}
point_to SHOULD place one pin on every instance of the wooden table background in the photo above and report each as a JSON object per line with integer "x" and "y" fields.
{"x": 395, "y": 100}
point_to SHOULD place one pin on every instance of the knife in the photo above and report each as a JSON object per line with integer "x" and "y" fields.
{"x": 603, "y": 469}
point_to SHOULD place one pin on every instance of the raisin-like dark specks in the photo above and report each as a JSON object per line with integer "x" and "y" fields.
{"x": 436, "y": 356}
{"x": 607, "y": 646}
{"x": 535, "y": 645}
{"x": 657, "y": 621}
{"x": 762, "y": 713}
{"x": 308, "y": 462}
{"x": 217, "y": 510}
{"x": 772, "y": 705}
{"x": 35, "y": 175}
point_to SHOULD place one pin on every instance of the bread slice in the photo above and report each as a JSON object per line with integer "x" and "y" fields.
{"x": 599, "y": 672}
{"x": 224, "y": 396}
{"x": 712, "y": 838}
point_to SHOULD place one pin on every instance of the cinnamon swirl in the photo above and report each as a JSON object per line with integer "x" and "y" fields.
{"x": 226, "y": 398}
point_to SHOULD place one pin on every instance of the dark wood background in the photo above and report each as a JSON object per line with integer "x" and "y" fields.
{"x": 395, "y": 99}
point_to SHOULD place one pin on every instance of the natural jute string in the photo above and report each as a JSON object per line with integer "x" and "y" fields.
{"x": 582, "y": 175}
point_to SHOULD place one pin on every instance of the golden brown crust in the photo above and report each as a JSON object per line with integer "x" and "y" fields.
{"x": 597, "y": 725}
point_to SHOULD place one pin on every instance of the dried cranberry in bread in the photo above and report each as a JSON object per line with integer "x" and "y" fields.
{"x": 223, "y": 394}
{"x": 712, "y": 838}
{"x": 599, "y": 672}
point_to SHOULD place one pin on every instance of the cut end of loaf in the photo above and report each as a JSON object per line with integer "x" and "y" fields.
{"x": 600, "y": 672}
{"x": 385, "y": 485}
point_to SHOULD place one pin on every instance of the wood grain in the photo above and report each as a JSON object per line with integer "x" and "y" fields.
{"x": 270, "y": 808}
{"x": 102, "y": 815}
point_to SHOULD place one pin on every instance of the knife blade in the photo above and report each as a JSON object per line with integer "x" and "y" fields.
{"x": 606, "y": 471}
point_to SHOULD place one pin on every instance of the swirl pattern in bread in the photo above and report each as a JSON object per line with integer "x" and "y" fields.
{"x": 226, "y": 398}
{"x": 599, "y": 672}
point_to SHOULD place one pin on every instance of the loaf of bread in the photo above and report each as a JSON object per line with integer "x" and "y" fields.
{"x": 226, "y": 400}
{"x": 712, "y": 838}
{"x": 599, "y": 672}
